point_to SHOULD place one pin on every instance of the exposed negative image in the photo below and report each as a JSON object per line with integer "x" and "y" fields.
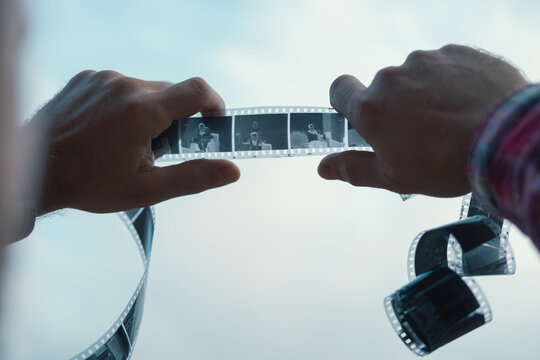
{"x": 317, "y": 130}
{"x": 206, "y": 134}
{"x": 260, "y": 132}
{"x": 355, "y": 139}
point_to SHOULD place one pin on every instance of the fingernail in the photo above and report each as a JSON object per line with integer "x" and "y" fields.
{"x": 229, "y": 174}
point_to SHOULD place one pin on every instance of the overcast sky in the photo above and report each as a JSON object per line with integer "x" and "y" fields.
{"x": 281, "y": 265}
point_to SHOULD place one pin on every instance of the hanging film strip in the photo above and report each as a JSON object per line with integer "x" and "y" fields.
{"x": 118, "y": 342}
{"x": 265, "y": 132}
{"x": 442, "y": 302}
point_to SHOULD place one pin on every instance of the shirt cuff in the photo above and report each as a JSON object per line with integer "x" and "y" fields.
{"x": 502, "y": 155}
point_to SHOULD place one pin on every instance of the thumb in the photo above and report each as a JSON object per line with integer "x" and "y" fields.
{"x": 358, "y": 168}
{"x": 346, "y": 94}
{"x": 189, "y": 177}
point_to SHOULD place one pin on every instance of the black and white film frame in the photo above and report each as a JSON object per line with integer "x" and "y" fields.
{"x": 438, "y": 305}
{"x": 119, "y": 340}
{"x": 329, "y": 133}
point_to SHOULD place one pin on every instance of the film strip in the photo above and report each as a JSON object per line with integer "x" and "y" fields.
{"x": 258, "y": 132}
{"x": 119, "y": 340}
{"x": 265, "y": 132}
{"x": 438, "y": 305}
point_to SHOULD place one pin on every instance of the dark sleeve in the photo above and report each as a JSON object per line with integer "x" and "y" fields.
{"x": 504, "y": 160}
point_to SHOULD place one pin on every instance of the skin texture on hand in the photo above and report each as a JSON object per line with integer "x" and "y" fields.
{"x": 419, "y": 118}
{"x": 98, "y": 133}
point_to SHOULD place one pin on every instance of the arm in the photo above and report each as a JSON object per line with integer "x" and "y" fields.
{"x": 97, "y": 143}
{"x": 504, "y": 160}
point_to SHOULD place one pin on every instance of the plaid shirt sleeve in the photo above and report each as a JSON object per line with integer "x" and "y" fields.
{"x": 504, "y": 160}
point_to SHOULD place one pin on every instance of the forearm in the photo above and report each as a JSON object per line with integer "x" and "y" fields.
{"x": 504, "y": 160}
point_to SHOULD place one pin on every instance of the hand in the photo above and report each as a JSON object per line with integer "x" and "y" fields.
{"x": 419, "y": 118}
{"x": 97, "y": 150}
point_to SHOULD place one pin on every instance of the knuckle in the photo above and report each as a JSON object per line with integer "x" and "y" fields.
{"x": 80, "y": 77}
{"x": 199, "y": 86}
{"x": 123, "y": 84}
{"x": 364, "y": 112}
{"x": 418, "y": 56}
{"x": 360, "y": 108}
{"x": 107, "y": 75}
{"x": 452, "y": 48}
{"x": 84, "y": 74}
{"x": 388, "y": 74}
{"x": 366, "y": 106}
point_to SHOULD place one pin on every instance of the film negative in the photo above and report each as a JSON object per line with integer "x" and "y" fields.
{"x": 438, "y": 305}
{"x": 477, "y": 244}
{"x": 257, "y": 132}
{"x": 119, "y": 340}
{"x": 436, "y": 308}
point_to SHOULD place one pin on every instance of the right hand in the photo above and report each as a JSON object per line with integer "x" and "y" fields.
{"x": 419, "y": 118}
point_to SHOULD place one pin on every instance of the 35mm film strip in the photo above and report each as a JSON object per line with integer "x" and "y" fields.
{"x": 438, "y": 305}
{"x": 258, "y": 132}
{"x": 264, "y": 132}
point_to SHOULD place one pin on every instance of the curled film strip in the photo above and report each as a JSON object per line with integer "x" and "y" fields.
{"x": 475, "y": 245}
{"x": 438, "y": 306}
{"x": 118, "y": 342}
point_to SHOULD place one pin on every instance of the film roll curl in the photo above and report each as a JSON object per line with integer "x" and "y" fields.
{"x": 475, "y": 245}
{"x": 438, "y": 306}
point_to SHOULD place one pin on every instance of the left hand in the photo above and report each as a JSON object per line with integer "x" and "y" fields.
{"x": 97, "y": 148}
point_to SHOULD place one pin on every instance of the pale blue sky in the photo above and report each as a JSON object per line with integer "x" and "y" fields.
{"x": 281, "y": 265}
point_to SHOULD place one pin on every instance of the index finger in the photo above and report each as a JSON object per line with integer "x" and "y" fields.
{"x": 346, "y": 93}
{"x": 185, "y": 99}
